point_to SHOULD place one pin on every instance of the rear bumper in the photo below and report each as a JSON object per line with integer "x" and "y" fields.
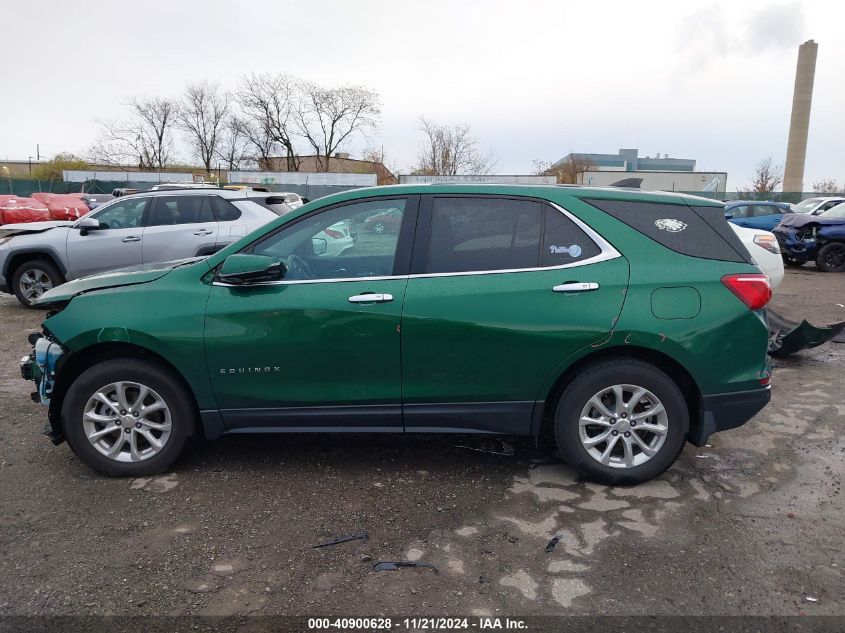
{"x": 724, "y": 411}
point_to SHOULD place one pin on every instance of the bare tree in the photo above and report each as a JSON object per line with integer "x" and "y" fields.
{"x": 451, "y": 150}
{"x": 767, "y": 177}
{"x": 826, "y": 185}
{"x": 327, "y": 117}
{"x": 233, "y": 148}
{"x": 202, "y": 115}
{"x": 145, "y": 138}
{"x": 570, "y": 171}
{"x": 267, "y": 102}
{"x": 260, "y": 142}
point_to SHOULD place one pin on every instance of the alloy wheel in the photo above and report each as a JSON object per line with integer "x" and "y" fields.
{"x": 34, "y": 282}
{"x": 623, "y": 426}
{"x": 127, "y": 421}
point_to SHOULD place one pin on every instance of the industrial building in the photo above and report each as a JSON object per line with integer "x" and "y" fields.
{"x": 630, "y": 160}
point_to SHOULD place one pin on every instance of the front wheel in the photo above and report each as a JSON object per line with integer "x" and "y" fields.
{"x": 33, "y": 278}
{"x": 621, "y": 422}
{"x": 831, "y": 258}
{"x": 127, "y": 417}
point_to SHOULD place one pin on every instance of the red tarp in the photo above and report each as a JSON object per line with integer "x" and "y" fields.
{"x": 15, "y": 209}
{"x": 42, "y": 196}
{"x": 65, "y": 207}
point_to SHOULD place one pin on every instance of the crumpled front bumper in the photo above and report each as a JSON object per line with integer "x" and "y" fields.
{"x": 40, "y": 366}
{"x": 793, "y": 245}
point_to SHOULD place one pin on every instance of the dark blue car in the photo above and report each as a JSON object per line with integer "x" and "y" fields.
{"x": 756, "y": 215}
{"x": 804, "y": 237}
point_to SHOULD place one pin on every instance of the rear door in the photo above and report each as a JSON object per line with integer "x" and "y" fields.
{"x": 116, "y": 244}
{"x": 178, "y": 227}
{"x": 505, "y": 290}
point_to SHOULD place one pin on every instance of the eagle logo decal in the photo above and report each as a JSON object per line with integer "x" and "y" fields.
{"x": 670, "y": 224}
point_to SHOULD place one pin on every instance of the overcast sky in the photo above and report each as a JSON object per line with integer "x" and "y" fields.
{"x": 535, "y": 80}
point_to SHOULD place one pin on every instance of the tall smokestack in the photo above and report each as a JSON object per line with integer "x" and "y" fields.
{"x": 799, "y": 124}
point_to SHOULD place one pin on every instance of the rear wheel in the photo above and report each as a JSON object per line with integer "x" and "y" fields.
{"x": 621, "y": 422}
{"x": 33, "y": 278}
{"x": 127, "y": 417}
{"x": 831, "y": 258}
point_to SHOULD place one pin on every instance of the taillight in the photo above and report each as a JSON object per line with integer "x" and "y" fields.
{"x": 332, "y": 233}
{"x": 768, "y": 242}
{"x": 753, "y": 289}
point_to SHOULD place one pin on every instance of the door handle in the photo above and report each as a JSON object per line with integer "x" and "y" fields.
{"x": 203, "y": 232}
{"x": 577, "y": 286}
{"x": 372, "y": 297}
{"x": 131, "y": 238}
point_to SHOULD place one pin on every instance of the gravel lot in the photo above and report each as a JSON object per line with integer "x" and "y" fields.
{"x": 752, "y": 524}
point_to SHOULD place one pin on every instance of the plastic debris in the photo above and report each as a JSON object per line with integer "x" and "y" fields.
{"x": 399, "y": 564}
{"x": 552, "y": 544}
{"x": 493, "y": 448}
{"x": 787, "y": 337}
{"x": 359, "y": 536}
{"x": 811, "y": 599}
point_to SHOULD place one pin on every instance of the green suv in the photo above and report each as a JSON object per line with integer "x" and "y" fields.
{"x": 622, "y": 323}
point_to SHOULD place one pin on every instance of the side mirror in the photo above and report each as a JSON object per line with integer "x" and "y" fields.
{"x": 320, "y": 245}
{"x": 729, "y": 216}
{"x": 242, "y": 270}
{"x": 87, "y": 224}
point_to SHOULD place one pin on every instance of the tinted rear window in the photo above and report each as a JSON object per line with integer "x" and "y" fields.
{"x": 224, "y": 210}
{"x": 697, "y": 232}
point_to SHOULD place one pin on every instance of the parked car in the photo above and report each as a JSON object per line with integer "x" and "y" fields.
{"x": 95, "y": 200}
{"x": 756, "y": 215}
{"x": 819, "y": 238}
{"x": 173, "y": 186}
{"x": 386, "y": 221}
{"x": 764, "y": 249}
{"x": 621, "y": 323}
{"x": 815, "y": 206}
{"x": 131, "y": 230}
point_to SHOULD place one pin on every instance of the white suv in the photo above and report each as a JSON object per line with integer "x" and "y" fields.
{"x": 153, "y": 226}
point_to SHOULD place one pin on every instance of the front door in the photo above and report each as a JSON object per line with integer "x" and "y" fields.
{"x": 116, "y": 244}
{"x": 178, "y": 227}
{"x": 507, "y": 289}
{"x": 320, "y": 349}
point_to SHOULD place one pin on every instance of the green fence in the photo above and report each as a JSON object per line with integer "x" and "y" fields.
{"x": 24, "y": 187}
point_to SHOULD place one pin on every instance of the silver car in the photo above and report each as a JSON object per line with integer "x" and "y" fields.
{"x": 153, "y": 226}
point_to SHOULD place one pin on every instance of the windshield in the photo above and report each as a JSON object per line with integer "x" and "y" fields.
{"x": 807, "y": 205}
{"x": 834, "y": 212}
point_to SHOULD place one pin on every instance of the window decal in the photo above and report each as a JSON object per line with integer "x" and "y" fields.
{"x": 670, "y": 224}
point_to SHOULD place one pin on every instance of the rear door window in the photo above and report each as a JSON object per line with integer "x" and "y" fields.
{"x": 478, "y": 234}
{"x": 699, "y": 231}
{"x": 563, "y": 241}
{"x": 181, "y": 210}
{"x": 224, "y": 211}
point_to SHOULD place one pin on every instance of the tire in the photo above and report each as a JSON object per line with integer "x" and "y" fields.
{"x": 831, "y": 258}
{"x": 82, "y": 415}
{"x": 599, "y": 380}
{"x": 379, "y": 228}
{"x": 794, "y": 263}
{"x": 37, "y": 275}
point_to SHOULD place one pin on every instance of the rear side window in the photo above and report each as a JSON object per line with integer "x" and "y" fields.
{"x": 181, "y": 210}
{"x": 472, "y": 234}
{"x": 695, "y": 231}
{"x": 223, "y": 210}
{"x": 479, "y": 234}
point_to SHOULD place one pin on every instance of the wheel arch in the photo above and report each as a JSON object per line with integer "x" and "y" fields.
{"x": 82, "y": 360}
{"x": 18, "y": 258}
{"x": 671, "y": 367}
